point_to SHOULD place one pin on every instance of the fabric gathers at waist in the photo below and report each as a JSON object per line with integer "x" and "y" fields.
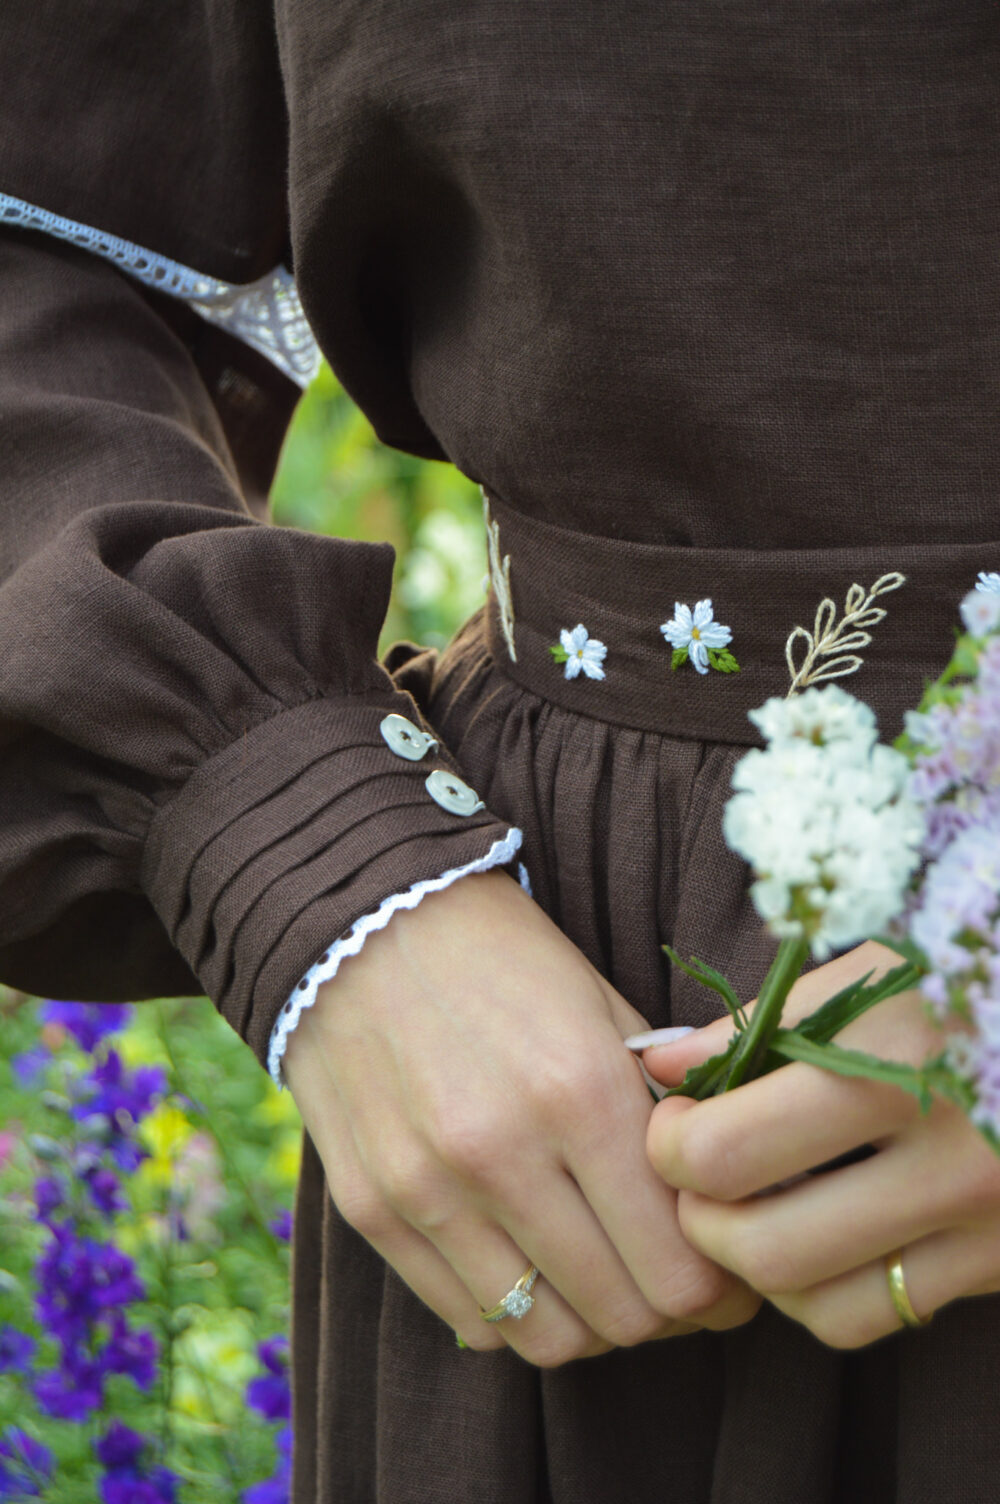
{"x": 546, "y": 579}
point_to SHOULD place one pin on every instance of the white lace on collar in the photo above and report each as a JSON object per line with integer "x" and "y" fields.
{"x": 265, "y": 314}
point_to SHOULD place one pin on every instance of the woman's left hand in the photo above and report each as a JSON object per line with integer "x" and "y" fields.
{"x": 817, "y": 1249}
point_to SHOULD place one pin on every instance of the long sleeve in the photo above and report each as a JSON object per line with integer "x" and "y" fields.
{"x": 196, "y": 793}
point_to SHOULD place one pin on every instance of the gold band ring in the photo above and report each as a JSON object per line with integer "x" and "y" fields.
{"x": 898, "y": 1291}
{"x": 517, "y": 1302}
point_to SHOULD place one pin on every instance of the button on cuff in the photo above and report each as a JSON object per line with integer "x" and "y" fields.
{"x": 405, "y": 739}
{"x": 452, "y": 794}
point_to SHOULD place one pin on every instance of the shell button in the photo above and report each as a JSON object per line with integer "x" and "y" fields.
{"x": 452, "y": 794}
{"x": 405, "y": 739}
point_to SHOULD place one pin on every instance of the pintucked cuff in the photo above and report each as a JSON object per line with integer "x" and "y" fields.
{"x": 293, "y": 834}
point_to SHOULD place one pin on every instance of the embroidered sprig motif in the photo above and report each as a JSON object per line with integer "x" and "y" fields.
{"x": 698, "y": 636}
{"x": 581, "y": 653}
{"x": 500, "y": 576}
{"x": 832, "y": 646}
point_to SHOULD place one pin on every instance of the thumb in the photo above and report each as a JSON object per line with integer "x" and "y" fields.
{"x": 668, "y": 1054}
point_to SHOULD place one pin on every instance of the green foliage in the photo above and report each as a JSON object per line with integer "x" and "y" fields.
{"x": 723, "y": 660}
{"x": 335, "y": 477}
{"x": 677, "y": 657}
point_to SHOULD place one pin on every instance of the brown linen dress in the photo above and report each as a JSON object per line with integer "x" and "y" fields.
{"x": 704, "y": 295}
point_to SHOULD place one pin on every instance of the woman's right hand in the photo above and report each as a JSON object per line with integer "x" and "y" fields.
{"x": 465, "y": 1084}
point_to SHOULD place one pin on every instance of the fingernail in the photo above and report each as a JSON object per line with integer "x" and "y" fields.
{"x": 640, "y": 1042}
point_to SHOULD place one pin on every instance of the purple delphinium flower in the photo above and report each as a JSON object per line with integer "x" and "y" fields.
{"x": 282, "y": 1226}
{"x": 119, "y": 1447}
{"x": 30, "y": 1066}
{"x": 16, "y": 1350}
{"x": 88, "y": 1023}
{"x": 25, "y": 1465}
{"x": 110, "y": 1101}
{"x": 126, "y": 1480}
{"x": 130, "y": 1352}
{"x": 109, "y": 1089}
{"x": 278, "y": 1488}
{"x": 105, "y": 1191}
{"x": 270, "y": 1394}
{"x": 83, "y": 1288}
{"x": 49, "y": 1196}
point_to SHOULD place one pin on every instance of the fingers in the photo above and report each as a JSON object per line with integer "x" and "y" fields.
{"x": 658, "y": 1273}
{"x": 488, "y": 1262}
{"x": 816, "y": 1230}
{"x": 856, "y": 1308}
{"x": 937, "y": 1175}
{"x": 769, "y": 1130}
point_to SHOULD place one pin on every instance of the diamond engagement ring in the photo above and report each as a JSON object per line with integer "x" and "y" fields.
{"x": 517, "y": 1302}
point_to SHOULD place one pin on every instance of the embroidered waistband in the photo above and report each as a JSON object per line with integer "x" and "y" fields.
{"x": 685, "y": 641}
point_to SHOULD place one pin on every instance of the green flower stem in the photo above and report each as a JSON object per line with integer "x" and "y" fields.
{"x": 753, "y": 1045}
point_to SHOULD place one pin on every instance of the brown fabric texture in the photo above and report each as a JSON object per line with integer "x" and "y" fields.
{"x": 714, "y": 277}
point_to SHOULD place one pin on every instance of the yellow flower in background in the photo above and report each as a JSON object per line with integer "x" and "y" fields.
{"x": 285, "y": 1158}
{"x": 277, "y": 1109}
{"x": 164, "y": 1133}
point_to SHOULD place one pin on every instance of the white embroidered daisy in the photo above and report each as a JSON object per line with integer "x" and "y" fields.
{"x": 695, "y": 635}
{"x": 988, "y": 582}
{"x": 581, "y": 653}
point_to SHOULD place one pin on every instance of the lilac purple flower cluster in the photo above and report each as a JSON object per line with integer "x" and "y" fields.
{"x": 956, "y": 918}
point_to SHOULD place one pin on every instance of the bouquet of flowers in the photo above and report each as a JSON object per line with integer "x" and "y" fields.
{"x": 852, "y": 840}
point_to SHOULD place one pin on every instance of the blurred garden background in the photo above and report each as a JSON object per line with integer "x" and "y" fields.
{"x": 147, "y": 1163}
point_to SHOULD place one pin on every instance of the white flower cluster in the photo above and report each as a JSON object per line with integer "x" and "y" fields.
{"x": 823, "y": 816}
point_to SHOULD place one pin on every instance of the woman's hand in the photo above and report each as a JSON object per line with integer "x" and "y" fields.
{"x": 816, "y": 1249}
{"x": 464, "y": 1082}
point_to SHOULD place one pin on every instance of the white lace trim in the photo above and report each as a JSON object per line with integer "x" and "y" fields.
{"x": 327, "y": 966}
{"x": 266, "y": 314}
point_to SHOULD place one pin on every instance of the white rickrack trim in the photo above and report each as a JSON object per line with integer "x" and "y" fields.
{"x": 304, "y": 996}
{"x": 266, "y": 314}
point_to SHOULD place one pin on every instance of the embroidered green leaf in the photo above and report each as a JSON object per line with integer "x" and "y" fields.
{"x": 678, "y": 657}
{"x": 559, "y": 653}
{"x": 723, "y": 660}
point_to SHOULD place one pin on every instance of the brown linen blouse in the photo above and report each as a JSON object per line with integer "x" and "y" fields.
{"x": 700, "y": 277}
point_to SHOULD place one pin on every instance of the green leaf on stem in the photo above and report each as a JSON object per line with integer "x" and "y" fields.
{"x": 705, "y": 1080}
{"x": 677, "y": 657}
{"x": 855, "y": 1000}
{"x": 905, "y": 947}
{"x": 917, "y": 1080}
{"x": 708, "y": 977}
{"x": 559, "y": 653}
